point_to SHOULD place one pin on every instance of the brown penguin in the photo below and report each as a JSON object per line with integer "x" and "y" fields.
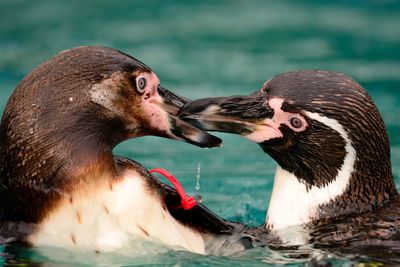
{"x": 61, "y": 185}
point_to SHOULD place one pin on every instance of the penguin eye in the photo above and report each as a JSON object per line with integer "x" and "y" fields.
{"x": 141, "y": 85}
{"x": 296, "y": 123}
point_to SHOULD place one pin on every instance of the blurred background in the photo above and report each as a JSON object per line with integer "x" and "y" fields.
{"x": 212, "y": 48}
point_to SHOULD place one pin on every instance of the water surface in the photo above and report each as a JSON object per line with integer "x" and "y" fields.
{"x": 212, "y": 48}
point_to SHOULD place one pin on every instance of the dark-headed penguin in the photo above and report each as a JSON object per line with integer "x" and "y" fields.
{"x": 60, "y": 184}
{"x": 333, "y": 183}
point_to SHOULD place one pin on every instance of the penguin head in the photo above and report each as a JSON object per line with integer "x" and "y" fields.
{"x": 133, "y": 97}
{"x": 317, "y": 125}
{"x": 98, "y": 95}
{"x": 101, "y": 91}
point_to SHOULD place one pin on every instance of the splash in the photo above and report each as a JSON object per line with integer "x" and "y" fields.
{"x": 198, "y": 177}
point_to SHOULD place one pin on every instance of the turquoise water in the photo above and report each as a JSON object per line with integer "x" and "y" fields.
{"x": 211, "y": 48}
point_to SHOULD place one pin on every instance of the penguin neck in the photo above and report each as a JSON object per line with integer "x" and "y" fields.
{"x": 294, "y": 202}
{"x": 88, "y": 151}
{"x": 51, "y": 165}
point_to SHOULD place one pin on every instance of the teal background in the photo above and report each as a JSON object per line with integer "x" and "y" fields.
{"x": 212, "y": 48}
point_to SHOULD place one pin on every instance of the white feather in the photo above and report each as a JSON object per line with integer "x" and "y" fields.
{"x": 106, "y": 219}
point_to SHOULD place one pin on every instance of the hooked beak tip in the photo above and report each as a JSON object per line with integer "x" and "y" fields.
{"x": 171, "y": 104}
{"x": 193, "y": 135}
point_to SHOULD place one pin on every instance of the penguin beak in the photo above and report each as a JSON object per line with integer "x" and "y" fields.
{"x": 242, "y": 115}
{"x": 178, "y": 129}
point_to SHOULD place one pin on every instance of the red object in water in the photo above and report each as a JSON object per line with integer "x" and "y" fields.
{"x": 187, "y": 201}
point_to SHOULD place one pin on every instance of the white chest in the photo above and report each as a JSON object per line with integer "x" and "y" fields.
{"x": 111, "y": 217}
{"x": 292, "y": 205}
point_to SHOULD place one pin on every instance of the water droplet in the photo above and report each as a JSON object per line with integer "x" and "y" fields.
{"x": 71, "y": 99}
{"x": 199, "y": 198}
{"x": 198, "y": 177}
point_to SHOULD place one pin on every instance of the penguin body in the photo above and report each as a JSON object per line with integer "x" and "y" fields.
{"x": 61, "y": 185}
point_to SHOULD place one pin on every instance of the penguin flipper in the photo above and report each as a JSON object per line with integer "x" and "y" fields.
{"x": 198, "y": 217}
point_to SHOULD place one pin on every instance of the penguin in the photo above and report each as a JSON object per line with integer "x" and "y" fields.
{"x": 61, "y": 185}
{"x": 333, "y": 185}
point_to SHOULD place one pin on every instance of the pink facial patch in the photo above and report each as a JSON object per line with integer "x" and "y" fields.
{"x": 152, "y": 82}
{"x": 157, "y": 118}
{"x": 269, "y": 128}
